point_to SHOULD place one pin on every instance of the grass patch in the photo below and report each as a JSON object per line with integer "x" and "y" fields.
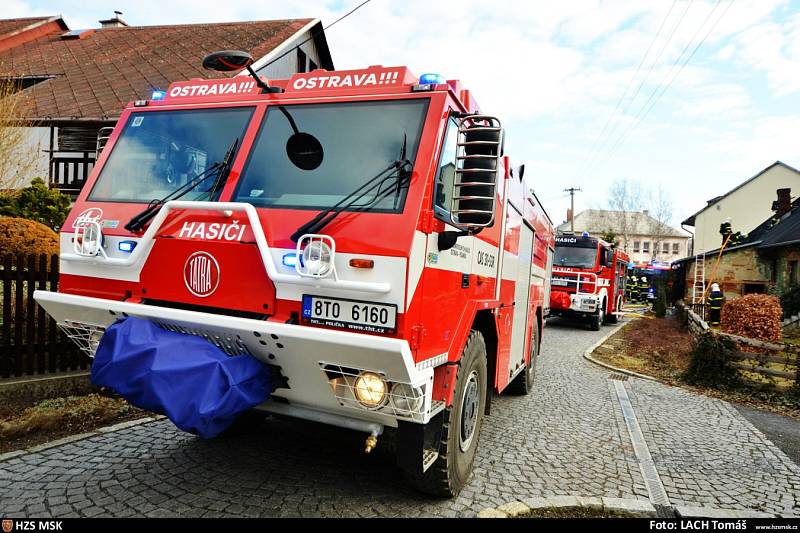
{"x": 662, "y": 349}
{"x": 24, "y": 426}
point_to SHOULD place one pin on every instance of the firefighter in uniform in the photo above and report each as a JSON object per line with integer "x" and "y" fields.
{"x": 644, "y": 289}
{"x": 633, "y": 284}
{"x": 715, "y": 301}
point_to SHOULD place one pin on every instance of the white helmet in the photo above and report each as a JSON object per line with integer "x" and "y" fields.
{"x": 644, "y": 279}
{"x": 714, "y": 287}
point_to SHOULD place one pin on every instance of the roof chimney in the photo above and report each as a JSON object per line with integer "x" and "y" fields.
{"x": 569, "y": 214}
{"x": 784, "y": 203}
{"x": 115, "y": 22}
{"x": 646, "y": 212}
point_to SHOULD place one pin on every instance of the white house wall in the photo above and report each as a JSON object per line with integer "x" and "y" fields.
{"x": 747, "y": 207}
{"x": 285, "y": 67}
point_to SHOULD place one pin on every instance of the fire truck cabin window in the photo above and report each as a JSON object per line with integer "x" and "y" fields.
{"x": 160, "y": 151}
{"x": 359, "y": 140}
{"x": 575, "y": 257}
{"x": 447, "y": 170}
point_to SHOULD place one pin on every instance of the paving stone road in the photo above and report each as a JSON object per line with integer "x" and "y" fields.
{"x": 568, "y": 438}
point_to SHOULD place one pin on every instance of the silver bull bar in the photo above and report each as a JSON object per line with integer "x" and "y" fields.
{"x": 320, "y": 365}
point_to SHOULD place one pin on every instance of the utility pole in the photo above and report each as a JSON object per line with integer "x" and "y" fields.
{"x": 572, "y": 191}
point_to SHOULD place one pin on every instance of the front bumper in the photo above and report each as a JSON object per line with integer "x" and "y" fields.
{"x": 309, "y": 358}
{"x": 583, "y": 303}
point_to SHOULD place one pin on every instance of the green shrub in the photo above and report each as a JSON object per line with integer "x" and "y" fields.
{"x": 709, "y": 362}
{"x": 37, "y": 202}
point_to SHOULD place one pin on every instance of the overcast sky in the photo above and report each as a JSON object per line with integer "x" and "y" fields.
{"x": 694, "y": 95}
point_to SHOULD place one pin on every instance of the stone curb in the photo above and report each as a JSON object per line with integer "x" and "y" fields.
{"x": 80, "y": 436}
{"x": 588, "y": 356}
{"x": 637, "y": 508}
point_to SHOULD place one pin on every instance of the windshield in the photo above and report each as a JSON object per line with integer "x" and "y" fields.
{"x": 575, "y": 257}
{"x": 358, "y": 141}
{"x": 160, "y": 151}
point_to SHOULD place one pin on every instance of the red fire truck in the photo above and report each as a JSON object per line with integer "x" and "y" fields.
{"x": 588, "y": 281}
{"x": 359, "y": 232}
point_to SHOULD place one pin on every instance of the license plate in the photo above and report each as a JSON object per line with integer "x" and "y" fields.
{"x": 560, "y": 282}
{"x": 367, "y": 317}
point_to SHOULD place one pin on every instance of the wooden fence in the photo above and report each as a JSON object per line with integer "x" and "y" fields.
{"x": 30, "y": 341}
{"x": 753, "y": 356}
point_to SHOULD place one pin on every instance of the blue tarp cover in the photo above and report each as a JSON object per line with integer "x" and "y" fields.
{"x": 185, "y": 377}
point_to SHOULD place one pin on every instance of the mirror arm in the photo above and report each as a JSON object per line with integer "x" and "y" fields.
{"x": 266, "y": 88}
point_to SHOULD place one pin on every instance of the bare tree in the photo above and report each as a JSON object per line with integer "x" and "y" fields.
{"x": 625, "y": 197}
{"x": 18, "y": 153}
{"x": 660, "y": 217}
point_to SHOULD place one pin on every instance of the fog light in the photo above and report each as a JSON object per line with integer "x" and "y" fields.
{"x": 316, "y": 254}
{"x": 406, "y": 399}
{"x": 370, "y": 390}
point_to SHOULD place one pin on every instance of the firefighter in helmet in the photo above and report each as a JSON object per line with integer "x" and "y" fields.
{"x": 633, "y": 287}
{"x": 644, "y": 289}
{"x": 715, "y": 301}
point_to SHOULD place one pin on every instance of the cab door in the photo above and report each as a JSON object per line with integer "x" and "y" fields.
{"x": 522, "y": 294}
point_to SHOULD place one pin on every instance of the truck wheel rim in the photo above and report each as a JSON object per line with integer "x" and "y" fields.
{"x": 469, "y": 411}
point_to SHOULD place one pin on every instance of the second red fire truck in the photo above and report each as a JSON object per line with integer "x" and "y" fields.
{"x": 360, "y": 234}
{"x": 588, "y": 281}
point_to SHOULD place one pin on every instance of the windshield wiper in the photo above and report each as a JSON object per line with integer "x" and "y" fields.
{"x": 350, "y": 202}
{"x": 138, "y": 221}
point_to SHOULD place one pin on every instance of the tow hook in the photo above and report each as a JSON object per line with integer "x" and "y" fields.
{"x": 372, "y": 442}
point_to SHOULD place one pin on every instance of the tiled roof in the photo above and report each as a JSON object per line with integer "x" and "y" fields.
{"x": 95, "y": 77}
{"x": 596, "y": 221}
{"x": 11, "y": 26}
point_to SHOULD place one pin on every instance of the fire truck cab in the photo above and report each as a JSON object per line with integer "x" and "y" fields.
{"x": 361, "y": 233}
{"x": 588, "y": 282}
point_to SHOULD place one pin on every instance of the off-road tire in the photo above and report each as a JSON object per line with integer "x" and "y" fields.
{"x": 451, "y": 470}
{"x": 523, "y": 383}
{"x": 596, "y": 320}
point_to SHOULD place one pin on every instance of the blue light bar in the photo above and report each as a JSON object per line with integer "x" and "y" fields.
{"x": 158, "y": 95}
{"x": 290, "y": 260}
{"x": 126, "y": 246}
{"x": 432, "y": 79}
{"x": 585, "y": 234}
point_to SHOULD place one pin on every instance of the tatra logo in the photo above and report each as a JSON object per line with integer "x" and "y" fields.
{"x": 93, "y": 214}
{"x": 212, "y": 232}
{"x": 201, "y": 274}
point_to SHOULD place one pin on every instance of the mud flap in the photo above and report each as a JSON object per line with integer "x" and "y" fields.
{"x": 185, "y": 377}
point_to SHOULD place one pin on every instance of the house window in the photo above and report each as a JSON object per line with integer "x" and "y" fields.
{"x": 753, "y": 288}
{"x": 792, "y": 273}
{"x": 675, "y": 248}
{"x": 646, "y": 247}
{"x": 301, "y": 61}
{"x": 636, "y": 246}
{"x": 665, "y": 248}
{"x": 312, "y": 65}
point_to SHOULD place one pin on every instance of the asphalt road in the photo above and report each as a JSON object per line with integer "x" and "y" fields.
{"x": 783, "y": 431}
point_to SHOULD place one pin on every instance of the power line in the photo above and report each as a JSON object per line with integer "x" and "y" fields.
{"x": 641, "y": 84}
{"x": 662, "y": 89}
{"x": 317, "y": 34}
{"x": 630, "y": 84}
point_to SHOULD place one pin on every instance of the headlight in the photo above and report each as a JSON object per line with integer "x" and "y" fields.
{"x": 370, "y": 390}
{"x": 406, "y": 399}
{"x": 317, "y": 259}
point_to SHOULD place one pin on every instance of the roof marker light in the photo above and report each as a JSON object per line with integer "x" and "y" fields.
{"x": 126, "y": 246}
{"x": 432, "y": 79}
{"x": 585, "y": 234}
{"x": 158, "y": 95}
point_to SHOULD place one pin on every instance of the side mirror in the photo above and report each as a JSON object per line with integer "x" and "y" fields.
{"x": 480, "y": 146}
{"x": 227, "y": 61}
